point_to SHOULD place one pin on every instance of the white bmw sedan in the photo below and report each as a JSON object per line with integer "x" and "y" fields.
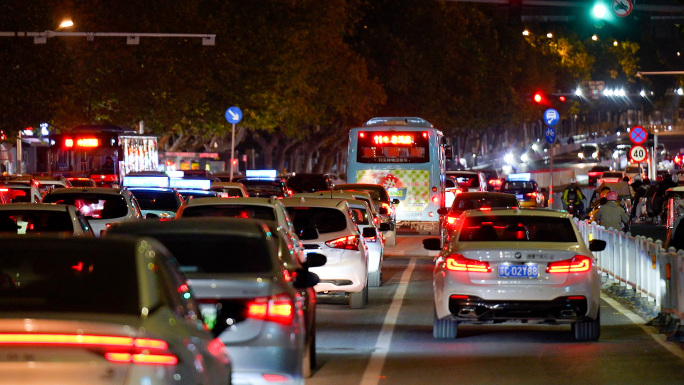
{"x": 516, "y": 265}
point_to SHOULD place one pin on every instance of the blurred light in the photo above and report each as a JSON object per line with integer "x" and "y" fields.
{"x": 44, "y": 129}
{"x": 599, "y": 11}
{"x": 549, "y": 35}
{"x": 679, "y": 54}
{"x": 524, "y": 158}
{"x": 526, "y": 33}
{"x": 608, "y": 92}
{"x": 680, "y": 91}
{"x": 615, "y": 43}
{"x": 561, "y": 98}
{"x": 594, "y": 38}
{"x": 537, "y": 97}
{"x": 578, "y": 92}
{"x": 66, "y": 24}
{"x": 508, "y": 158}
{"x": 642, "y": 93}
{"x": 535, "y": 147}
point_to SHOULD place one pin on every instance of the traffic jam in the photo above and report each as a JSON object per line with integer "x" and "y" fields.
{"x": 134, "y": 275}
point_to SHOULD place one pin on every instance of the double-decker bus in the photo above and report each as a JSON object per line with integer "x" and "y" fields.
{"x": 406, "y": 155}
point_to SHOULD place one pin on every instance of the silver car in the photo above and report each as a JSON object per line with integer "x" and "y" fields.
{"x": 247, "y": 294}
{"x": 103, "y": 206}
{"x": 101, "y": 311}
{"x": 516, "y": 265}
{"x": 42, "y": 219}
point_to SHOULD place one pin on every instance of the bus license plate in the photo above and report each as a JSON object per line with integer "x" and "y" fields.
{"x": 519, "y": 271}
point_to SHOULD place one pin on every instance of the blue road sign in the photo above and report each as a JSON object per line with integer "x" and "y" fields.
{"x": 638, "y": 135}
{"x": 550, "y": 135}
{"x": 233, "y": 115}
{"x": 551, "y": 117}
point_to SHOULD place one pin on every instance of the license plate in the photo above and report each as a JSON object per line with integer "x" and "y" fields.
{"x": 519, "y": 271}
{"x": 520, "y": 196}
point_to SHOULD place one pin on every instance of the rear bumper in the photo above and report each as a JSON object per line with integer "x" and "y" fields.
{"x": 558, "y": 310}
{"x": 349, "y": 275}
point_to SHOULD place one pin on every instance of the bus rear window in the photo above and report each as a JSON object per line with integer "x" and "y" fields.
{"x": 393, "y": 147}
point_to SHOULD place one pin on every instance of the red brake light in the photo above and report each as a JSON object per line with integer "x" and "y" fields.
{"x": 350, "y": 242}
{"x": 278, "y": 308}
{"x": 128, "y": 349}
{"x": 435, "y": 199}
{"x": 451, "y": 220}
{"x": 577, "y": 264}
{"x": 595, "y": 173}
{"x": 457, "y": 262}
{"x": 532, "y": 194}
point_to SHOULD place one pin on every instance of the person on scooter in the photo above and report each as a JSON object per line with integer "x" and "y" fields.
{"x": 611, "y": 214}
{"x": 573, "y": 197}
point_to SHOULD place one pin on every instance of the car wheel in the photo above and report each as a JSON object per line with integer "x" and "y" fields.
{"x": 589, "y": 330}
{"x": 444, "y": 328}
{"x": 375, "y": 278}
{"x": 358, "y": 300}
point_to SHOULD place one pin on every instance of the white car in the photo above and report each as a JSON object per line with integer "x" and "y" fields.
{"x": 372, "y": 234}
{"x": 42, "y": 219}
{"x": 366, "y": 217}
{"x": 326, "y": 226}
{"x": 103, "y": 206}
{"x": 229, "y": 189}
{"x": 516, "y": 265}
{"x": 101, "y": 311}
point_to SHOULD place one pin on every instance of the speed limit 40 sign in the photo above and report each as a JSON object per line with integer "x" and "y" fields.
{"x": 638, "y": 153}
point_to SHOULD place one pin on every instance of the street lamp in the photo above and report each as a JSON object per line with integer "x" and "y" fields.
{"x": 66, "y": 23}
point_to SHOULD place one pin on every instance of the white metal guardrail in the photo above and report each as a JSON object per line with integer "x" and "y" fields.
{"x": 642, "y": 272}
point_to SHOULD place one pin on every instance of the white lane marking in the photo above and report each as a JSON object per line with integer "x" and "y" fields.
{"x": 371, "y": 376}
{"x": 635, "y": 318}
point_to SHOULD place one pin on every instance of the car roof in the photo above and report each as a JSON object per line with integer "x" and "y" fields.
{"x": 188, "y": 226}
{"x": 528, "y": 212}
{"x": 484, "y": 194}
{"x": 78, "y": 190}
{"x": 232, "y": 201}
{"x": 314, "y": 202}
{"x": 35, "y": 206}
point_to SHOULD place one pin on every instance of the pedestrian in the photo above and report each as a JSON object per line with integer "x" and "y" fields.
{"x": 611, "y": 214}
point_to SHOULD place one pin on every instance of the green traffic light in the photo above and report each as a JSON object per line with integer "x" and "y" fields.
{"x": 599, "y": 11}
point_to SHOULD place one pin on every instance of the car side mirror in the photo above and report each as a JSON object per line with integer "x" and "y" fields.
{"x": 383, "y": 211}
{"x": 442, "y": 211}
{"x": 597, "y": 245}
{"x": 369, "y": 232}
{"x": 432, "y": 243}
{"x": 385, "y": 227}
{"x": 308, "y": 233}
{"x": 315, "y": 259}
{"x": 395, "y": 201}
{"x": 305, "y": 279}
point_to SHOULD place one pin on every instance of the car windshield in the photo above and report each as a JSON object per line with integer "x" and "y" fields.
{"x": 514, "y": 228}
{"x": 237, "y": 211}
{"x": 261, "y": 188}
{"x": 466, "y": 180}
{"x": 34, "y": 222}
{"x": 326, "y": 220}
{"x": 360, "y": 216}
{"x": 518, "y": 185}
{"x": 157, "y": 200}
{"x": 469, "y": 203}
{"x": 57, "y": 280}
{"x": 93, "y": 205}
{"x": 218, "y": 253}
{"x": 307, "y": 183}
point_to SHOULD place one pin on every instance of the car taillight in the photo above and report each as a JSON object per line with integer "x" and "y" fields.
{"x": 435, "y": 199}
{"x": 532, "y": 194}
{"x": 457, "y": 262}
{"x": 118, "y": 349}
{"x": 451, "y": 220}
{"x": 595, "y": 173}
{"x": 495, "y": 182}
{"x": 278, "y": 308}
{"x": 577, "y": 264}
{"x": 350, "y": 242}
